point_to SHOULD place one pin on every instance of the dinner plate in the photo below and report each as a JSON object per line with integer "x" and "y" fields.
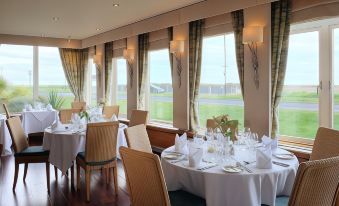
{"x": 232, "y": 169}
{"x": 172, "y": 156}
{"x": 284, "y": 156}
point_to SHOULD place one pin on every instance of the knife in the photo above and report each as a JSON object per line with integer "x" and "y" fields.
{"x": 280, "y": 164}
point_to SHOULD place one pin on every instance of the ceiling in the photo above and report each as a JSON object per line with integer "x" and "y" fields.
{"x": 77, "y": 19}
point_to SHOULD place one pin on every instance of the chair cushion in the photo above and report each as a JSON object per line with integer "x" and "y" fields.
{"x": 32, "y": 151}
{"x": 183, "y": 198}
{"x": 280, "y": 201}
{"x": 81, "y": 155}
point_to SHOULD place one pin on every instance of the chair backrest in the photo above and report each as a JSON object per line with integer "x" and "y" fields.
{"x": 145, "y": 179}
{"x": 316, "y": 183}
{"x": 211, "y": 123}
{"x": 101, "y": 141}
{"x": 65, "y": 115}
{"x": 8, "y": 115}
{"x": 78, "y": 105}
{"x": 18, "y": 136}
{"x": 137, "y": 138}
{"x": 326, "y": 144}
{"x": 108, "y": 111}
{"x": 138, "y": 117}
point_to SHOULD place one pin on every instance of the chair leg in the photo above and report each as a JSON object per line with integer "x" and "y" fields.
{"x": 16, "y": 171}
{"x": 107, "y": 175}
{"x": 78, "y": 176}
{"x": 48, "y": 179}
{"x": 25, "y": 171}
{"x": 115, "y": 176}
{"x": 56, "y": 173}
{"x": 72, "y": 176}
{"x": 88, "y": 183}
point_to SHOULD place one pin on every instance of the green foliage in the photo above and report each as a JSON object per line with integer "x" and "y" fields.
{"x": 55, "y": 100}
{"x": 3, "y": 84}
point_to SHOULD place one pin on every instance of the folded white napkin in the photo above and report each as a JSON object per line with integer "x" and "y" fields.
{"x": 264, "y": 158}
{"x": 181, "y": 143}
{"x": 195, "y": 155}
{"x": 28, "y": 107}
{"x": 49, "y": 107}
{"x": 114, "y": 118}
{"x": 57, "y": 126}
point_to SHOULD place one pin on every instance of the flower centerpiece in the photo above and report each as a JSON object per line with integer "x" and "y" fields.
{"x": 84, "y": 114}
{"x": 227, "y": 126}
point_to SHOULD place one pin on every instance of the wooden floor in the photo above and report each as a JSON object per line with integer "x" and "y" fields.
{"x": 34, "y": 191}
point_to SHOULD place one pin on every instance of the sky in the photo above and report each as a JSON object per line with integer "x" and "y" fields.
{"x": 16, "y": 62}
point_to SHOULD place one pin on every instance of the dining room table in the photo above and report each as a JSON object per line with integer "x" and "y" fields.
{"x": 65, "y": 144}
{"x": 222, "y": 185}
{"x": 37, "y": 120}
{"x": 5, "y": 138}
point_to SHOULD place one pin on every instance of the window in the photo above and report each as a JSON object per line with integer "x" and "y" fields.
{"x": 121, "y": 86}
{"x": 220, "y": 91}
{"x": 299, "y": 105}
{"x": 16, "y": 69}
{"x": 336, "y": 78}
{"x": 160, "y": 87}
{"x": 52, "y": 77}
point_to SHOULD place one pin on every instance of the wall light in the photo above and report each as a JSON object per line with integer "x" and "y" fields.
{"x": 252, "y": 36}
{"x": 129, "y": 56}
{"x": 177, "y": 48}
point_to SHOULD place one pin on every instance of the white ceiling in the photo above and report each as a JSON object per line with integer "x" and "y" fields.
{"x": 78, "y": 19}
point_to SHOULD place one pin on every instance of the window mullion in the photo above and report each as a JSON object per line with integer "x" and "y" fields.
{"x": 35, "y": 73}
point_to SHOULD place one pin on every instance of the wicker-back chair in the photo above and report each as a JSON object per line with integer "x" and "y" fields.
{"x": 137, "y": 138}
{"x": 108, "y": 111}
{"x": 8, "y": 115}
{"x": 146, "y": 183}
{"x": 24, "y": 153}
{"x": 138, "y": 117}
{"x": 326, "y": 144}
{"x": 65, "y": 115}
{"x": 316, "y": 183}
{"x": 211, "y": 124}
{"x": 78, "y": 105}
{"x": 100, "y": 153}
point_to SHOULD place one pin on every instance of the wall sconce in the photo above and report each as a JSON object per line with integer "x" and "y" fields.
{"x": 129, "y": 56}
{"x": 177, "y": 48}
{"x": 252, "y": 36}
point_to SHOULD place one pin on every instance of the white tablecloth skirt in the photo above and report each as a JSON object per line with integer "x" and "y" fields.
{"x": 5, "y": 138}
{"x": 38, "y": 121}
{"x": 225, "y": 189}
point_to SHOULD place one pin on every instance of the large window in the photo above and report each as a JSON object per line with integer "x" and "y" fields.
{"x": 299, "y": 105}
{"x": 220, "y": 91}
{"x": 336, "y": 78}
{"x": 16, "y": 70}
{"x": 160, "y": 87}
{"x": 121, "y": 86}
{"x": 52, "y": 77}
{"x": 92, "y": 83}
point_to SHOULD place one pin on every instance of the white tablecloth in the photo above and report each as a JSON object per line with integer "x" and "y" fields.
{"x": 225, "y": 189}
{"x": 38, "y": 121}
{"x": 5, "y": 138}
{"x": 64, "y": 146}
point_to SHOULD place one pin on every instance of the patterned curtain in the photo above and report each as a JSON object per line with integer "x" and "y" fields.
{"x": 143, "y": 46}
{"x": 108, "y": 68}
{"x": 170, "y": 38}
{"x": 195, "y": 52}
{"x": 238, "y": 25}
{"x": 74, "y": 63}
{"x": 280, "y": 29}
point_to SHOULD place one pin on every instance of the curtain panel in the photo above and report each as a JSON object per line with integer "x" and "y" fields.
{"x": 108, "y": 68}
{"x": 170, "y": 38}
{"x": 143, "y": 47}
{"x": 238, "y": 25}
{"x": 195, "y": 53}
{"x": 280, "y": 29}
{"x": 74, "y": 63}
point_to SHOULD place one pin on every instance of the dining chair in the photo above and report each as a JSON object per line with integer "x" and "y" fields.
{"x": 211, "y": 124}
{"x": 138, "y": 117}
{"x": 326, "y": 144}
{"x": 146, "y": 183}
{"x": 100, "y": 153}
{"x": 316, "y": 184}
{"x": 23, "y": 153}
{"x": 65, "y": 115}
{"x": 8, "y": 115}
{"x": 137, "y": 138}
{"x": 78, "y": 105}
{"x": 108, "y": 111}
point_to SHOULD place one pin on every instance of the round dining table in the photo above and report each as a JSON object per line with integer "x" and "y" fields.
{"x": 64, "y": 145}
{"x": 250, "y": 187}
